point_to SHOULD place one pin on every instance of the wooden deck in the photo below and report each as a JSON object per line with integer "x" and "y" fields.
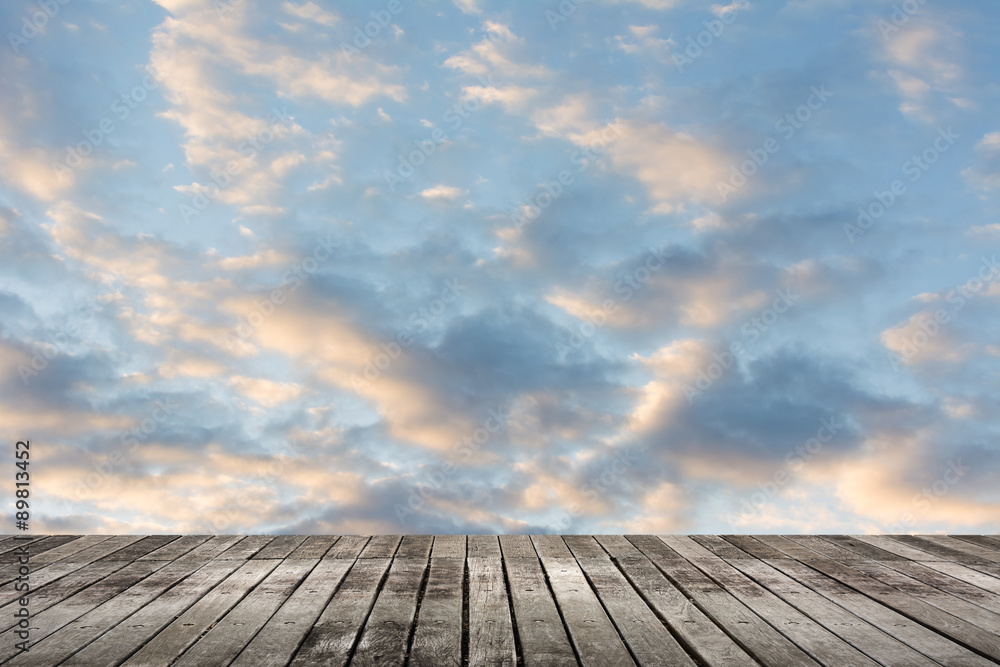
{"x": 509, "y": 600}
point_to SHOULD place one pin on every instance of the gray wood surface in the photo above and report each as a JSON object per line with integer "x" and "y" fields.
{"x": 532, "y": 600}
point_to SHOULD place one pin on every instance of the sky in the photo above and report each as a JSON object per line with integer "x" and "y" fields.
{"x": 414, "y": 266}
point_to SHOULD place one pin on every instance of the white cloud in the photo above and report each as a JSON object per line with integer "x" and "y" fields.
{"x": 442, "y": 192}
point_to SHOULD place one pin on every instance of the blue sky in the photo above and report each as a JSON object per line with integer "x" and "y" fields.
{"x": 608, "y": 266}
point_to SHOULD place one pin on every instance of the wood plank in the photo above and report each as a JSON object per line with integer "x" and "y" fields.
{"x": 755, "y": 635}
{"x": 943, "y": 551}
{"x": 967, "y": 549}
{"x": 828, "y": 549}
{"x": 333, "y": 637}
{"x": 212, "y": 548}
{"x": 585, "y": 546}
{"x": 823, "y": 645}
{"x": 387, "y": 632}
{"x": 227, "y": 637}
{"x": 449, "y": 546}
{"x": 863, "y": 549}
{"x": 280, "y": 546}
{"x": 245, "y": 548}
{"x": 986, "y": 541}
{"x": 381, "y": 546}
{"x": 177, "y": 548}
{"x": 618, "y": 547}
{"x": 314, "y": 546}
{"x": 651, "y": 545}
{"x": 753, "y": 546}
{"x": 706, "y": 639}
{"x": 540, "y": 628}
{"x": 483, "y": 546}
{"x": 144, "y": 546}
{"x": 886, "y": 543}
{"x": 960, "y": 630}
{"x": 865, "y": 637}
{"x": 8, "y": 555}
{"x": 67, "y": 550}
{"x": 348, "y": 546}
{"x": 56, "y": 616}
{"x": 415, "y": 546}
{"x": 52, "y": 593}
{"x": 648, "y": 640}
{"x": 99, "y": 549}
{"x": 491, "y": 630}
{"x": 280, "y": 637}
{"x": 517, "y": 546}
{"x": 720, "y": 547}
{"x": 987, "y": 582}
{"x": 63, "y": 643}
{"x": 593, "y": 635}
{"x": 173, "y": 640}
{"x": 789, "y": 548}
{"x": 437, "y": 640}
{"x": 551, "y": 546}
{"x": 923, "y": 639}
{"x": 115, "y": 645}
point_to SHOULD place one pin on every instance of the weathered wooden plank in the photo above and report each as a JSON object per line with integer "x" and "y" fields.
{"x": 618, "y": 547}
{"x": 540, "y": 628}
{"x": 99, "y": 549}
{"x": 585, "y": 546}
{"x": 415, "y": 546}
{"x": 720, "y": 547}
{"x": 986, "y": 541}
{"x": 330, "y": 641}
{"x": 449, "y": 546}
{"x": 177, "y": 548}
{"x": 651, "y": 545}
{"x": 593, "y": 635}
{"x": 280, "y": 547}
{"x": 52, "y": 593}
{"x": 227, "y": 637}
{"x": 348, "y": 546}
{"x": 144, "y": 546}
{"x": 7, "y": 555}
{"x": 979, "y": 554}
{"x": 823, "y": 645}
{"x": 827, "y": 549}
{"x": 962, "y": 631}
{"x": 753, "y": 546}
{"x": 517, "y": 546}
{"x": 437, "y": 640}
{"x": 987, "y": 582}
{"x": 789, "y": 548}
{"x": 762, "y": 641}
{"x": 706, "y": 639}
{"x": 923, "y": 639}
{"x": 647, "y": 638}
{"x": 943, "y": 551}
{"x": 57, "y": 616}
{"x": 863, "y": 636}
{"x": 280, "y": 637}
{"x": 173, "y": 640}
{"x": 211, "y": 549}
{"x": 483, "y": 546}
{"x": 551, "y": 546}
{"x": 381, "y": 546}
{"x": 63, "y": 643}
{"x": 314, "y": 546}
{"x": 387, "y": 631}
{"x": 36, "y": 547}
{"x": 491, "y": 631}
{"x": 67, "y": 550}
{"x": 886, "y": 543}
{"x": 863, "y": 549}
{"x": 246, "y": 547}
{"x": 115, "y": 645}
